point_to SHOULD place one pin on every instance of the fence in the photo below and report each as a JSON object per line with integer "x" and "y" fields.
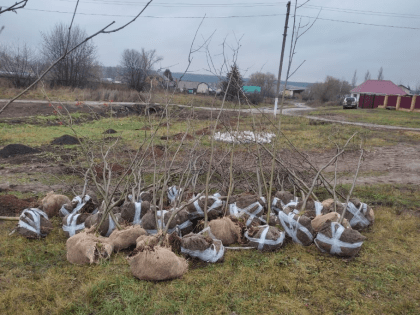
{"x": 404, "y": 103}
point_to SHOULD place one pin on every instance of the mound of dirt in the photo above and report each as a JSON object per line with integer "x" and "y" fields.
{"x": 65, "y": 139}
{"x": 16, "y": 149}
{"x": 109, "y": 131}
{"x": 12, "y": 206}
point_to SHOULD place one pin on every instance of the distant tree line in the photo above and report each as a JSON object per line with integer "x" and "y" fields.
{"x": 21, "y": 64}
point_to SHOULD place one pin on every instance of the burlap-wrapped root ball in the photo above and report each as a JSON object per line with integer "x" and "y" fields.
{"x": 281, "y": 200}
{"x": 226, "y": 230}
{"x": 52, "y": 203}
{"x": 265, "y": 238}
{"x": 74, "y": 223}
{"x": 203, "y": 247}
{"x": 319, "y": 220}
{"x": 215, "y": 208}
{"x": 107, "y": 226}
{"x": 34, "y": 223}
{"x": 84, "y": 248}
{"x": 249, "y": 207}
{"x": 312, "y": 209}
{"x": 133, "y": 212}
{"x": 274, "y": 219}
{"x": 156, "y": 264}
{"x": 328, "y": 205}
{"x": 359, "y": 214}
{"x": 335, "y": 239}
{"x": 297, "y": 227}
{"x": 79, "y": 204}
{"x": 122, "y": 239}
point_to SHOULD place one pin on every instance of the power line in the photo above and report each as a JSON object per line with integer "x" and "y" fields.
{"x": 246, "y": 5}
{"x": 226, "y": 17}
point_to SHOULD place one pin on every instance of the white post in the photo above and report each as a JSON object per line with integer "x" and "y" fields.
{"x": 275, "y": 106}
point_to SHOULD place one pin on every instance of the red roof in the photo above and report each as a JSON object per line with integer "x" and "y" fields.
{"x": 384, "y": 87}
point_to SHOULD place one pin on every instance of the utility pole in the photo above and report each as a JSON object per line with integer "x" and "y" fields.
{"x": 281, "y": 58}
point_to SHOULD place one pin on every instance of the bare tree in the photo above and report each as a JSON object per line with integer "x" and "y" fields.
{"x": 381, "y": 74}
{"x": 76, "y": 69}
{"x": 18, "y": 64}
{"x": 16, "y": 6}
{"x": 264, "y": 80}
{"x": 354, "y": 80}
{"x": 137, "y": 66}
{"x": 367, "y": 75}
{"x": 329, "y": 90}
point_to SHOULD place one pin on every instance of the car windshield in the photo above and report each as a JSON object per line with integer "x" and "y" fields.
{"x": 350, "y": 99}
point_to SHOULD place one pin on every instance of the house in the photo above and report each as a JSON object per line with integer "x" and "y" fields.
{"x": 405, "y": 89}
{"x": 203, "y": 88}
{"x": 293, "y": 92}
{"x": 385, "y": 94}
{"x": 188, "y": 86}
{"x": 249, "y": 89}
{"x": 377, "y": 87}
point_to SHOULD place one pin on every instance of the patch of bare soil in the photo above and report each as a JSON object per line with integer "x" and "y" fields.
{"x": 398, "y": 164}
{"x": 178, "y": 136}
{"x": 65, "y": 139}
{"x": 12, "y": 206}
{"x": 27, "y": 109}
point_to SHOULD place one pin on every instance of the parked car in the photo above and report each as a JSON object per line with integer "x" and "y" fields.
{"x": 349, "y": 102}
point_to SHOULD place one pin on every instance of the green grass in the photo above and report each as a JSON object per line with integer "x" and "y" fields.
{"x": 377, "y": 116}
{"x": 35, "y": 277}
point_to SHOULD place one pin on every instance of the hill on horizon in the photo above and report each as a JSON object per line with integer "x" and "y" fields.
{"x": 214, "y": 79}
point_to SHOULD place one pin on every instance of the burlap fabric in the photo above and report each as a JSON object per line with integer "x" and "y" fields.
{"x": 359, "y": 214}
{"x": 84, "y": 248}
{"x": 156, "y": 264}
{"x": 335, "y": 239}
{"x": 319, "y": 220}
{"x": 52, "y": 203}
{"x": 249, "y": 207}
{"x": 225, "y": 230}
{"x": 203, "y": 247}
{"x": 122, "y": 239}
{"x": 133, "y": 212}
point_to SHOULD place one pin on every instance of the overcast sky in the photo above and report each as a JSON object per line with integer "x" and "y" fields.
{"x": 329, "y": 47}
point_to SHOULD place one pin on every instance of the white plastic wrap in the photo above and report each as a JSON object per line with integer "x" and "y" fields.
{"x": 358, "y": 214}
{"x": 199, "y": 212}
{"x": 335, "y": 241}
{"x": 80, "y": 203}
{"x": 237, "y": 212}
{"x": 34, "y": 223}
{"x": 291, "y": 226}
{"x": 72, "y": 227}
{"x": 211, "y": 254}
{"x": 263, "y": 241}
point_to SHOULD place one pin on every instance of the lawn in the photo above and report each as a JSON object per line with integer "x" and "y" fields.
{"x": 35, "y": 277}
{"x": 377, "y": 116}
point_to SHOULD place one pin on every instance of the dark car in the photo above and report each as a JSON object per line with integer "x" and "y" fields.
{"x": 349, "y": 102}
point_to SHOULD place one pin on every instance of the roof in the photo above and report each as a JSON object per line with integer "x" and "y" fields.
{"x": 187, "y": 85}
{"x": 384, "y": 87}
{"x": 251, "y": 89}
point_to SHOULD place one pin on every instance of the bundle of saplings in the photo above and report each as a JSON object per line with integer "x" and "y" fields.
{"x": 122, "y": 239}
{"x": 249, "y": 207}
{"x": 86, "y": 248}
{"x": 215, "y": 207}
{"x": 335, "y": 239}
{"x": 133, "y": 212}
{"x": 203, "y": 247}
{"x": 74, "y": 223}
{"x": 297, "y": 227}
{"x": 359, "y": 214}
{"x": 34, "y": 223}
{"x": 319, "y": 220}
{"x": 265, "y": 238}
{"x": 226, "y": 230}
{"x": 283, "y": 199}
{"x": 52, "y": 203}
{"x": 79, "y": 204}
{"x": 107, "y": 226}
